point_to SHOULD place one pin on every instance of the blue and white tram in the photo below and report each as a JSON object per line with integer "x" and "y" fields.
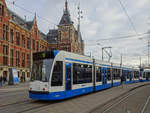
{"x": 59, "y": 75}
{"x": 116, "y": 72}
{"x": 146, "y": 75}
{"x": 52, "y": 75}
{"x": 135, "y": 75}
{"x": 127, "y": 73}
{"x": 102, "y": 75}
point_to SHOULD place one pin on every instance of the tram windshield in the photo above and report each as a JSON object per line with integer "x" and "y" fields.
{"x": 41, "y": 70}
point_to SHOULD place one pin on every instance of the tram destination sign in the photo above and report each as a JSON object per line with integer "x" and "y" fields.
{"x": 43, "y": 55}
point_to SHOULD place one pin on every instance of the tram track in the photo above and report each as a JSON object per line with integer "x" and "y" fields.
{"x": 116, "y": 101}
{"x": 23, "y": 106}
{"x": 5, "y": 105}
{"x": 34, "y": 108}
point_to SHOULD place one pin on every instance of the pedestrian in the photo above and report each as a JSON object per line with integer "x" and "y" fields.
{"x": 21, "y": 79}
{"x": 4, "y": 79}
{"x": 1, "y": 81}
{"x": 122, "y": 81}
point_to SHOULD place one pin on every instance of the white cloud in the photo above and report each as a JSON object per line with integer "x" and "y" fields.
{"x": 102, "y": 19}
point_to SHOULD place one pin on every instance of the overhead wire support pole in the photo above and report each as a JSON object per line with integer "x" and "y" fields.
{"x": 121, "y": 66}
{"x": 140, "y": 62}
{"x": 109, "y": 54}
{"x": 148, "y": 51}
{"x": 79, "y": 17}
{"x": 79, "y": 20}
{"x": 121, "y": 60}
{"x": 102, "y": 54}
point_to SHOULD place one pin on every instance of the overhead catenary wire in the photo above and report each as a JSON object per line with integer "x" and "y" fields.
{"x": 121, "y": 37}
{"x": 129, "y": 18}
{"x": 28, "y": 11}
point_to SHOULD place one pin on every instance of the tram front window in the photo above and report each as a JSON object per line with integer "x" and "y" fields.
{"x": 41, "y": 70}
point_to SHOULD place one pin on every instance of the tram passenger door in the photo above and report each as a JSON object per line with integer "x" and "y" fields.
{"x": 131, "y": 75}
{"x": 125, "y": 75}
{"x": 104, "y": 75}
{"x": 68, "y": 79}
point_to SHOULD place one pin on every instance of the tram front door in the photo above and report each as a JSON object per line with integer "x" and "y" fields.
{"x": 68, "y": 79}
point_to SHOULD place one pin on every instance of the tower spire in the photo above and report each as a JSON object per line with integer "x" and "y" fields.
{"x": 66, "y": 5}
{"x": 35, "y": 16}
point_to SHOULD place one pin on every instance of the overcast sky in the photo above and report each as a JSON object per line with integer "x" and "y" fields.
{"x": 102, "y": 19}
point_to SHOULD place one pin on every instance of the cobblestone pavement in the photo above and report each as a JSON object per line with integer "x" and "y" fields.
{"x": 20, "y": 85}
{"x": 14, "y": 99}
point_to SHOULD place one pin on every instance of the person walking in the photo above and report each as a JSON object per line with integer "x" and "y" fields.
{"x": 1, "y": 81}
{"x": 122, "y": 81}
{"x": 4, "y": 79}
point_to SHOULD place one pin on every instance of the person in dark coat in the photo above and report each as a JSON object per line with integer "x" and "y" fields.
{"x": 1, "y": 81}
{"x": 122, "y": 80}
{"x": 4, "y": 79}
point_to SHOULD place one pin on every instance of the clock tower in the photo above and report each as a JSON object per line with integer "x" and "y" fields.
{"x": 66, "y": 37}
{"x": 66, "y": 31}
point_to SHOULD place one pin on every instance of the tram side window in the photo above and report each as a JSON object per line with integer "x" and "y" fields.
{"x": 116, "y": 73}
{"x": 148, "y": 74}
{"x": 124, "y": 74}
{"x": 108, "y": 74}
{"x": 57, "y": 76}
{"x": 82, "y": 73}
{"x": 137, "y": 74}
{"x": 98, "y": 74}
{"x": 144, "y": 75}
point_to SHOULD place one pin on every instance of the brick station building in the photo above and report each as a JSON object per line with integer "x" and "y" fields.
{"x": 20, "y": 38}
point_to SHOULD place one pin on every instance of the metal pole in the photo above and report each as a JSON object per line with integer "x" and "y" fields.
{"x": 112, "y": 75}
{"x": 102, "y": 54}
{"x": 90, "y": 55}
{"x": 121, "y": 66}
{"x": 148, "y": 50}
{"x": 121, "y": 60}
{"x": 140, "y": 62}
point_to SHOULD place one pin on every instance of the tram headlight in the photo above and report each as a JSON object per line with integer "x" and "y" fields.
{"x": 43, "y": 89}
{"x": 30, "y": 89}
